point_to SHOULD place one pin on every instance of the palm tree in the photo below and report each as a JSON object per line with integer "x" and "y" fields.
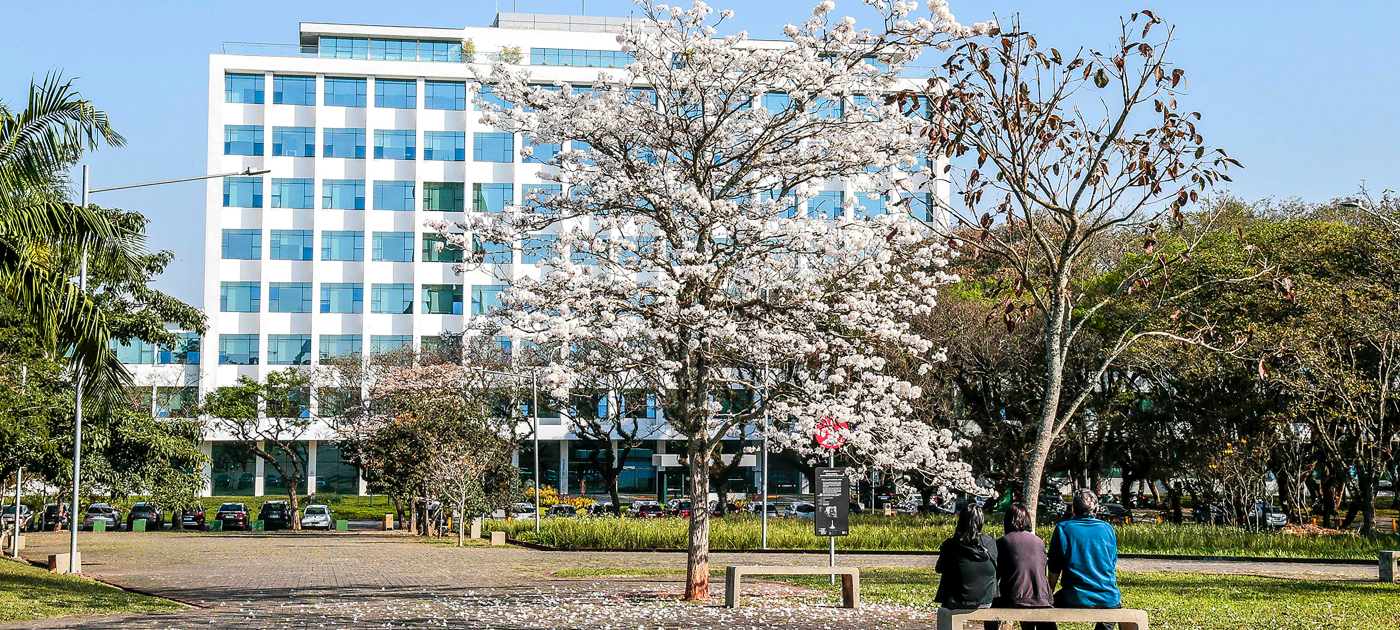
{"x": 41, "y": 228}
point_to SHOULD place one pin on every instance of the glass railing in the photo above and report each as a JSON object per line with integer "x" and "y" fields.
{"x": 268, "y": 50}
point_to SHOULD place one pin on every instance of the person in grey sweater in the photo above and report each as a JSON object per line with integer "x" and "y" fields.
{"x": 1021, "y": 569}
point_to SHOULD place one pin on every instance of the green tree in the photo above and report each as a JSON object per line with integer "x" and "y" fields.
{"x": 271, "y": 419}
{"x": 37, "y": 146}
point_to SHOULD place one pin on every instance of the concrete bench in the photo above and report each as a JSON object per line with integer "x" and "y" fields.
{"x": 1127, "y": 619}
{"x": 850, "y": 581}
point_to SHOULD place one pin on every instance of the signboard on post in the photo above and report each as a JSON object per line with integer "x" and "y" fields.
{"x": 833, "y": 516}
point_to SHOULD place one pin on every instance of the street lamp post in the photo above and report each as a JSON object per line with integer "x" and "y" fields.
{"x": 78, "y": 374}
{"x": 535, "y": 420}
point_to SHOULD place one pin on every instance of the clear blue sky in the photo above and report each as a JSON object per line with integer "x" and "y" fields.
{"x": 1304, "y": 94}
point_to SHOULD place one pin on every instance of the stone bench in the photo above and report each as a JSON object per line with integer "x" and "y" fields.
{"x": 1127, "y": 619}
{"x": 850, "y": 581}
{"x": 1389, "y": 566}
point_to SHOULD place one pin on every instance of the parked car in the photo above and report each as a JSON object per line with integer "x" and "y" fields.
{"x": 109, "y": 516}
{"x": 559, "y": 510}
{"x": 192, "y": 517}
{"x": 715, "y": 511}
{"x": 601, "y": 508}
{"x": 757, "y": 508}
{"x": 678, "y": 507}
{"x": 524, "y": 512}
{"x": 317, "y": 517}
{"x": 26, "y": 518}
{"x": 276, "y": 515}
{"x": 801, "y": 509}
{"x": 1263, "y": 515}
{"x": 55, "y": 517}
{"x": 233, "y": 516}
{"x": 1113, "y": 510}
{"x": 145, "y": 512}
{"x": 646, "y": 509}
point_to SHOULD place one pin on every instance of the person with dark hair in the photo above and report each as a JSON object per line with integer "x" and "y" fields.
{"x": 1084, "y": 552}
{"x": 1021, "y": 573}
{"x": 967, "y": 563}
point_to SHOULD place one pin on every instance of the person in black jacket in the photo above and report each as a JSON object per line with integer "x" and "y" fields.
{"x": 967, "y": 563}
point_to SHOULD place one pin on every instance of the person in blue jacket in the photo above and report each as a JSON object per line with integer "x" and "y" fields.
{"x": 1082, "y": 559}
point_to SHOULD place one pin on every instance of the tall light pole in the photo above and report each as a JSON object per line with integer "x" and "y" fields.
{"x": 78, "y": 374}
{"x": 535, "y": 420}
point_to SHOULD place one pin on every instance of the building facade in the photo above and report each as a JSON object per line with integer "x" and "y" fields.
{"x": 367, "y": 133}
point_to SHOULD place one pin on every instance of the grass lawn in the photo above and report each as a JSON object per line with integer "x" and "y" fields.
{"x": 917, "y": 533}
{"x": 1177, "y": 601}
{"x": 27, "y": 592}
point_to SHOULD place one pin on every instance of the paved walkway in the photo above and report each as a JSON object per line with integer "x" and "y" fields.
{"x": 385, "y": 579}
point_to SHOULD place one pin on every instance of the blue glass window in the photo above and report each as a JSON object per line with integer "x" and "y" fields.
{"x": 391, "y": 298}
{"x": 485, "y": 298}
{"x": 442, "y": 299}
{"x": 289, "y": 297}
{"x": 343, "y": 194}
{"x": 345, "y": 92}
{"x": 343, "y": 143}
{"x": 444, "y": 196}
{"x": 439, "y": 51}
{"x": 776, "y": 102}
{"x": 435, "y": 249}
{"x": 581, "y": 58}
{"x": 825, "y": 205}
{"x": 541, "y": 152}
{"x": 487, "y": 94}
{"x": 396, "y": 93}
{"x": 294, "y": 141}
{"x": 538, "y": 248}
{"x": 827, "y": 107}
{"x": 292, "y": 244}
{"x": 534, "y": 196}
{"x": 240, "y": 297}
{"x": 447, "y": 146}
{"x": 492, "y": 197}
{"x": 491, "y": 252}
{"x": 920, "y": 205}
{"x": 243, "y": 88}
{"x": 289, "y": 349}
{"x": 243, "y": 140}
{"x": 344, "y": 47}
{"x": 242, "y": 244}
{"x": 339, "y": 346}
{"x": 393, "y": 246}
{"x": 238, "y": 349}
{"x": 394, "y": 144}
{"x": 393, "y": 50}
{"x": 133, "y": 351}
{"x": 791, "y": 210}
{"x": 382, "y": 344}
{"x": 186, "y": 351}
{"x": 393, "y": 195}
{"x": 346, "y": 245}
{"x": 297, "y": 193}
{"x": 867, "y": 207}
{"x": 342, "y": 297}
{"x": 243, "y": 192}
{"x": 493, "y": 147}
{"x": 450, "y": 95}
{"x": 293, "y": 90}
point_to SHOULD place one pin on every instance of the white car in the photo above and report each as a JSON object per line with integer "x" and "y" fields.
{"x": 522, "y": 512}
{"x": 317, "y": 517}
{"x": 801, "y": 509}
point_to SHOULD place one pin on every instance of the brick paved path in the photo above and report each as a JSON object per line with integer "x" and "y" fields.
{"x": 378, "y": 580}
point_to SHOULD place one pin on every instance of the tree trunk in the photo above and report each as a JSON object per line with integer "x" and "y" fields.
{"x": 697, "y": 576}
{"x": 1366, "y": 496}
{"x": 296, "y": 506}
{"x": 398, "y": 509}
{"x": 413, "y": 517}
{"x": 461, "y": 521}
{"x": 1329, "y": 503}
{"x": 1174, "y": 492}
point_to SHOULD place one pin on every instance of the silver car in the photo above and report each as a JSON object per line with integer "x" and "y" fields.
{"x": 26, "y": 518}
{"x": 317, "y": 517}
{"x": 102, "y": 512}
{"x": 801, "y": 509}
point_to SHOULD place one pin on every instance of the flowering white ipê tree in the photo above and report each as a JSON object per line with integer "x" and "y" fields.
{"x": 679, "y": 232}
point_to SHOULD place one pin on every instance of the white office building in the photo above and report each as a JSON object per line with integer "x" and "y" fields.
{"x": 368, "y": 132}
